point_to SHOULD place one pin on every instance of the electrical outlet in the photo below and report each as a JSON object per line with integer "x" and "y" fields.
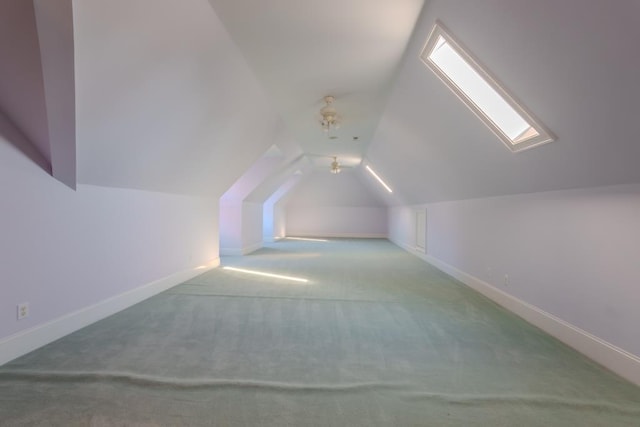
{"x": 23, "y": 310}
{"x": 506, "y": 279}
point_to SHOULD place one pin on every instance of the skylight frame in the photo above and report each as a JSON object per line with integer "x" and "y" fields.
{"x": 544, "y": 135}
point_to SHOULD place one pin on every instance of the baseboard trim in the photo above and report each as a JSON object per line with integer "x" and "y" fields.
{"x": 30, "y": 339}
{"x": 246, "y": 250}
{"x": 341, "y": 235}
{"x": 615, "y": 359}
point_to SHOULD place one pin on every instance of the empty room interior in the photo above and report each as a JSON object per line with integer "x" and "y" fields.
{"x": 335, "y": 213}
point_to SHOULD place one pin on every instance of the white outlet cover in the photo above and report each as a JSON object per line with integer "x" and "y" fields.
{"x": 23, "y": 310}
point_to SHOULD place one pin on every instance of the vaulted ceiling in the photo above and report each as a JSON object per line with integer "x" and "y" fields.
{"x": 186, "y": 96}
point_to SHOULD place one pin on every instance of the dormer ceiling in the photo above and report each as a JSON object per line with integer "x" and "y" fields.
{"x": 185, "y": 96}
{"x": 574, "y": 64}
{"x": 302, "y": 51}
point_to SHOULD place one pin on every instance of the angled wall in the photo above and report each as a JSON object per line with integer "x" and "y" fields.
{"x": 565, "y": 260}
{"x": 273, "y": 218}
{"x": 165, "y": 101}
{"x": 163, "y": 106}
{"x": 22, "y": 96}
{"x": 240, "y": 220}
{"x": 549, "y": 233}
{"x": 63, "y": 251}
{"x": 55, "y": 34}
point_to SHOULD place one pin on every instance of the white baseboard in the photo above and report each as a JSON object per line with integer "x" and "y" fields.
{"x": 241, "y": 251}
{"x": 30, "y": 339}
{"x": 621, "y": 362}
{"x": 342, "y": 235}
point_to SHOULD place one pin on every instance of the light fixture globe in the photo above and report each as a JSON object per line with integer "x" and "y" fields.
{"x": 330, "y": 119}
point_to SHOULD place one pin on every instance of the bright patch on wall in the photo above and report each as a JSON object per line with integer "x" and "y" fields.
{"x": 308, "y": 239}
{"x": 375, "y": 175}
{"x": 473, "y": 84}
{"x": 263, "y": 274}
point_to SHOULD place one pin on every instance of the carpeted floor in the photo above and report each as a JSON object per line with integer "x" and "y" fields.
{"x": 375, "y": 338}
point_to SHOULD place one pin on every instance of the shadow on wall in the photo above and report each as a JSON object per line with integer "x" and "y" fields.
{"x": 9, "y": 133}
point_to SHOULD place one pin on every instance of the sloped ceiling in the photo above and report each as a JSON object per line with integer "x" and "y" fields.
{"x": 185, "y": 96}
{"x": 22, "y": 97}
{"x": 301, "y": 51}
{"x": 37, "y": 81}
{"x": 574, "y": 64}
{"x": 165, "y": 101}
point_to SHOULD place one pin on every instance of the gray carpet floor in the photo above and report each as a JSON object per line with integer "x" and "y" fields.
{"x": 375, "y": 338}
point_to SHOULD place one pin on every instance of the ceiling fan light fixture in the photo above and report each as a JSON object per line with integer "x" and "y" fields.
{"x": 335, "y": 166}
{"x": 330, "y": 119}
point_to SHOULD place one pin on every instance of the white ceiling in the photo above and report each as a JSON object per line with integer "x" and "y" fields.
{"x": 165, "y": 101}
{"x": 301, "y": 51}
{"x": 573, "y": 63}
{"x": 185, "y": 96}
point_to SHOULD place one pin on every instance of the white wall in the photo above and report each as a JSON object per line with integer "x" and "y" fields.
{"x": 63, "y": 250}
{"x": 241, "y": 220}
{"x": 230, "y": 220}
{"x": 336, "y": 221}
{"x": 279, "y": 220}
{"x": 573, "y": 254}
{"x": 273, "y": 212}
{"x": 251, "y": 226}
{"x": 240, "y": 227}
{"x": 334, "y": 206}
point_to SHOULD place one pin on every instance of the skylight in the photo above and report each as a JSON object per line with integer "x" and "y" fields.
{"x": 481, "y": 93}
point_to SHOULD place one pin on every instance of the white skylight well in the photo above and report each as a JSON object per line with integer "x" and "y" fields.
{"x": 481, "y": 92}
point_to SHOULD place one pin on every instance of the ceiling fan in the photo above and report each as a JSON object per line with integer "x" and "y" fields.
{"x": 335, "y": 166}
{"x": 330, "y": 119}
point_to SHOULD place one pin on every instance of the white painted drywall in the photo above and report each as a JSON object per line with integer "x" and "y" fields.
{"x": 557, "y": 57}
{"x": 63, "y": 250}
{"x": 273, "y": 218}
{"x": 176, "y": 109}
{"x": 240, "y": 220}
{"x": 336, "y": 221}
{"x": 240, "y": 227}
{"x": 231, "y": 230}
{"x": 251, "y": 226}
{"x": 279, "y": 221}
{"x": 56, "y": 39}
{"x": 22, "y": 91}
{"x": 323, "y": 204}
{"x": 571, "y": 253}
